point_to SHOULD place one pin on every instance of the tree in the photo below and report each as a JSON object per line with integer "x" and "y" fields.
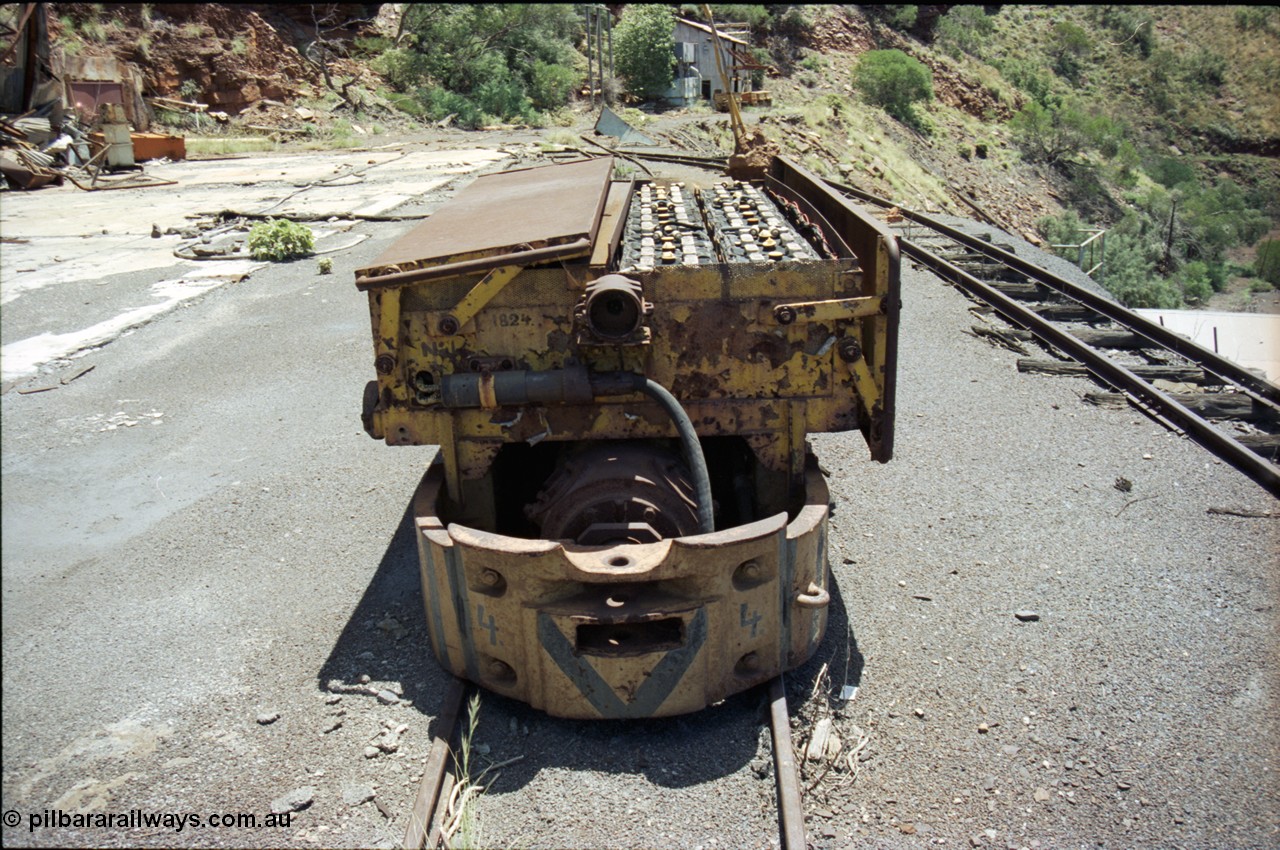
{"x": 485, "y": 60}
{"x": 1069, "y": 44}
{"x": 644, "y": 48}
{"x": 1051, "y": 133}
{"x": 964, "y": 29}
{"x": 895, "y": 81}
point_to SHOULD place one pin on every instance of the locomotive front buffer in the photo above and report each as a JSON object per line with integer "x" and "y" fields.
{"x": 624, "y": 518}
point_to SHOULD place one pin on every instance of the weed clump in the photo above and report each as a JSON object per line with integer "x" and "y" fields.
{"x": 280, "y": 239}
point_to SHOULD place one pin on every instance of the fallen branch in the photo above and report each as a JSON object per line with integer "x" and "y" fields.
{"x": 1134, "y": 502}
{"x": 1243, "y": 513}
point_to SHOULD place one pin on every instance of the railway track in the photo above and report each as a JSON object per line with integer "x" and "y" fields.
{"x": 1146, "y": 364}
{"x": 428, "y": 821}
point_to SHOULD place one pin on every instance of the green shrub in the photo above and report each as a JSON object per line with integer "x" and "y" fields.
{"x": 1250, "y": 18}
{"x": 551, "y": 85}
{"x": 644, "y": 48}
{"x": 94, "y": 30}
{"x": 402, "y": 68}
{"x": 1130, "y": 276}
{"x": 1050, "y": 133}
{"x": 1197, "y": 288}
{"x": 481, "y": 61}
{"x": 440, "y": 103}
{"x": 895, "y": 81}
{"x": 1124, "y": 163}
{"x": 1062, "y": 230}
{"x": 371, "y": 46}
{"x": 1206, "y": 68}
{"x": 964, "y": 29}
{"x": 1069, "y": 45}
{"x": 1028, "y": 75}
{"x": 903, "y": 18}
{"x": 280, "y": 239}
{"x": 1267, "y": 265}
{"x": 794, "y": 23}
{"x": 502, "y": 96}
{"x": 1170, "y": 172}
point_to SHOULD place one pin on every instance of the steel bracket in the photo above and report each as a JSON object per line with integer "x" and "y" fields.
{"x": 825, "y": 311}
{"x": 473, "y": 302}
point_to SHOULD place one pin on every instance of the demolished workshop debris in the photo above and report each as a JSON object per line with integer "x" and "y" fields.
{"x": 50, "y": 103}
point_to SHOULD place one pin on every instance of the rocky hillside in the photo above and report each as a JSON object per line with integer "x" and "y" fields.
{"x": 228, "y": 56}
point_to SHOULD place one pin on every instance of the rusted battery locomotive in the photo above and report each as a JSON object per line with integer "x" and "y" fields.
{"x": 624, "y": 519}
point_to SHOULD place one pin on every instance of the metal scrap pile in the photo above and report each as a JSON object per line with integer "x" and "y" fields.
{"x": 33, "y": 154}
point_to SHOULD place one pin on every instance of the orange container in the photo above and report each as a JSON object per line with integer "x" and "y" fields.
{"x": 157, "y": 146}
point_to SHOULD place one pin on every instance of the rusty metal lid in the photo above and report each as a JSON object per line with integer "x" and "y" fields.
{"x": 507, "y": 213}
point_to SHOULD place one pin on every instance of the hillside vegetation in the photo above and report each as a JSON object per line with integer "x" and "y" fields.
{"x": 1159, "y": 124}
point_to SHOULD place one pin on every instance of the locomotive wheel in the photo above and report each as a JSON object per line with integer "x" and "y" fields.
{"x": 612, "y": 493}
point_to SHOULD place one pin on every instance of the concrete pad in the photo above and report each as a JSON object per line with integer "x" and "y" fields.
{"x": 23, "y": 358}
{"x": 78, "y": 235}
{"x": 1250, "y": 339}
{"x": 67, "y": 235}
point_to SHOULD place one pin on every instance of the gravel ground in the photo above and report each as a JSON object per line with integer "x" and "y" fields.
{"x": 169, "y": 589}
{"x": 1137, "y": 708}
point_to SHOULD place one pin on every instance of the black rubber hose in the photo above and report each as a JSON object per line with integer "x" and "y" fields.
{"x": 618, "y": 383}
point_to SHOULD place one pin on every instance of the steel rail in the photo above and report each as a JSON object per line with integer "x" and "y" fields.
{"x": 1138, "y": 390}
{"x": 790, "y": 803}
{"x": 424, "y": 824}
{"x": 433, "y": 787}
{"x": 1262, "y": 390}
{"x": 719, "y": 162}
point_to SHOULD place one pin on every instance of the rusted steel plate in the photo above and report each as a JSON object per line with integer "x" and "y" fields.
{"x": 645, "y": 630}
{"x": 509, "y": 212}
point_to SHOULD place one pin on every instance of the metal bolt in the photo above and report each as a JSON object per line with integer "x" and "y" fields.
{"x": 490, "y": 578}
{"x": 499, "y": 669}
{"x": 849, "y": 350}
{"x": 750, "y": 570}
{"x": 750, "y": 661}
{"x": 384, "y": 364}
{"x": 785, "y": 315}
{"x": 448, "y": 326}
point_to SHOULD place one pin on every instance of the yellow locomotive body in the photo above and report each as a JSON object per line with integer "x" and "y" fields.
{"x": 624, "y": 519}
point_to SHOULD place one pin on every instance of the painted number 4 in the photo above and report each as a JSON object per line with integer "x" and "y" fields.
{"x": 748, "y": 619}
{"x": 490, "y": 626}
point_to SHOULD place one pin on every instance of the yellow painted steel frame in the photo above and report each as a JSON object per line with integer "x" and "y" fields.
{"x": 766, "y": 352}
{"x": 717, "y": 345}
{"x": 643, "y": 630}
